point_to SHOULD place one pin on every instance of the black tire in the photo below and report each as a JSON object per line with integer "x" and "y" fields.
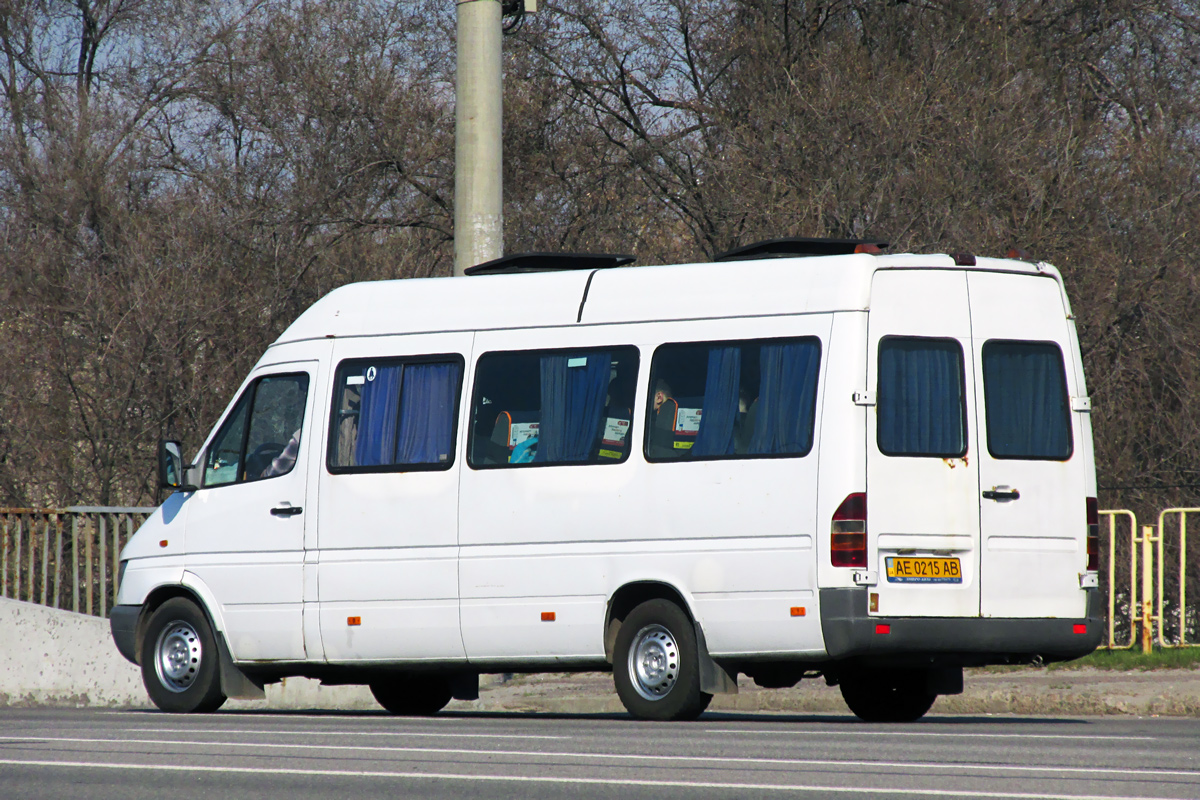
{"x": 891, "y": 696}
{"x": 413, "y": 695}
{"x": 180, "y": 661}
{"x": 656, "y": 666}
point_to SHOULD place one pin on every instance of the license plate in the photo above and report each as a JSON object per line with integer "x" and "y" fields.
{"x": 905, "y": 569}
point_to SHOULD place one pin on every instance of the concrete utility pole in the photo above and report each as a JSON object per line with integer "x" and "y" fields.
{"x": 478, "y": 136}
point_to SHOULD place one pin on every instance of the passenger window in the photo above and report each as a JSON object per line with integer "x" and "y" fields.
{"x": 553, "y": 407}
{"x": 394, "y": 414}
{"x": 920, "y": 403}
{"x": 1025, "y": 401}
{"x": 740, "y": 399}
{"x": 269, "y": 444}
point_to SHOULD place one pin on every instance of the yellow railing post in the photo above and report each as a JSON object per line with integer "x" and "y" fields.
{"x": 1162, "y": 535}
{"x": 1147, "y": 588}
{"x": 1112, "y": 515}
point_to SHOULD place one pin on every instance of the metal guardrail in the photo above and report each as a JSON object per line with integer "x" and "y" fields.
{"x": 65, "y": 557}
{"x": 1145, "y": 604}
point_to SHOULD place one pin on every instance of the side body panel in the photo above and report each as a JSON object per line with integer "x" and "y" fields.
{"x": 736, "y": 536}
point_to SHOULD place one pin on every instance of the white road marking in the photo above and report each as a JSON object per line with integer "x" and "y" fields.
{"x": 954, "y": 735}
{"x": 332, "y": 732}
{"x": 655, "y": 783}
{"x": 728, "y": 760}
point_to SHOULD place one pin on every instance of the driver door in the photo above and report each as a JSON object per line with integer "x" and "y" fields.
{"x": 247, "y": 519}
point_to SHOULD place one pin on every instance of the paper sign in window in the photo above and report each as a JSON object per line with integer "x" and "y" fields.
{"x": 615, "y": 431}
{"x": 687, "y": 421}
{"x": 520, "y": 432}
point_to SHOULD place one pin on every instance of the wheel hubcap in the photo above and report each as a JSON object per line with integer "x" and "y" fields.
{"x": 177, "y": 656}
{"x": 654, "y": 662}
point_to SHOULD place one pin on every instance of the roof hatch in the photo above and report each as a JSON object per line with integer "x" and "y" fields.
{"x": 798, "y": 246}
{"x": 549, "y": 262}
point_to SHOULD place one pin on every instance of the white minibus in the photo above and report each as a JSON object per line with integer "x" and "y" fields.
{"x": 806, "y": 459}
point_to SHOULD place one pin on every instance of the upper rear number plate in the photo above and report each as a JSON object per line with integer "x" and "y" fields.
{"x": 905, "y": 569}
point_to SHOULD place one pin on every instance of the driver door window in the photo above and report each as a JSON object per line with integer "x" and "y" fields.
{"x": 261, "y": 438}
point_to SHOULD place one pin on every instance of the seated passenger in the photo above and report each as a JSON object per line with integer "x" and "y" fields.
{"x": 284, "y": 462}
{"x": 661, "y": 443}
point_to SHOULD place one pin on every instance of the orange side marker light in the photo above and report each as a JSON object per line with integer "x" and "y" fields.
{"x": 547, "y": 616}
{"x": 353, "y": 621}
{"x": 162, "y": 543}
{"x": 797, "y": 611}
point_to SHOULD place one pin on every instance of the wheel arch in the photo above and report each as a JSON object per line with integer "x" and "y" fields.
{"x": 154, "y": 601}
{"x": 629, "y": 597}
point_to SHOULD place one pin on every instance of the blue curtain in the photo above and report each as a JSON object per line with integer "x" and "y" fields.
{"x": 720, "y": 404}
{"x": 377, "y": 418}
{"x": 427, "y": 414}
{"x": 573, "y": 400}
{"x": 920, "y": 400}
{"x": 786, "y": 398}
{"x": 1026, "y": 401}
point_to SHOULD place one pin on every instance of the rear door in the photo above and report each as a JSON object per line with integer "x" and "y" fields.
{"x": 1031, "y": 455}
{"x": 922, "y": 473}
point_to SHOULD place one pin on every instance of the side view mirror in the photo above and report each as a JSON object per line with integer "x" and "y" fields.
{"x": 171, "y": 474}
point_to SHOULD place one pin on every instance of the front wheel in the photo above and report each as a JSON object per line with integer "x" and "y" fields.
{"x": 180, "y": 661}
{"x": 656, "y": 665}
{"x": 887, "y": 696}
{"x": 413, "y": 695}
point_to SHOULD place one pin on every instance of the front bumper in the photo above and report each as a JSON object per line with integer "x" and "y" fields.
{"x": 124, "y": 622}
{"x": 851, "y": 633}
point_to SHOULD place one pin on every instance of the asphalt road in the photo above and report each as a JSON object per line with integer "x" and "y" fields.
{"x": 131, "y": 755}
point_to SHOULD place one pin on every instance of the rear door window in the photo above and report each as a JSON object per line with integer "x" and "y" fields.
{"x": 920, "y": 403}
{"x": 1025, "y": 401}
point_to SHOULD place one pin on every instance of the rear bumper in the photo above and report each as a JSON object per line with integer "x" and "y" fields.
{"x": 123, "y": 621}
{"x": 851, "y": 633}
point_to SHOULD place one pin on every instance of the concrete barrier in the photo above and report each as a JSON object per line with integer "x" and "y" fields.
{"x": 50, "y": 657}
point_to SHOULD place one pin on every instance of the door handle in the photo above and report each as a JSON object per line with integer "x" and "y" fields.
{"x": 286, "y": 511}
{"x": 1000, "y": 493}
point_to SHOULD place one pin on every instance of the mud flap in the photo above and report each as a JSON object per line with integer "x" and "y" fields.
{"x": 944, "y": 680}
{"x": 714, "y": 679}
{"x": 234, "y": 683}
{"x": 465, "y": 686}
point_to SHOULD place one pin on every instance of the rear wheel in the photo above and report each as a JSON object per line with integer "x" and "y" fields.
{"x": 887, "y": 696}
{"x": 413, "y": 695}
{"x": 180, "y": 663}
{"x": 656, "y": 665}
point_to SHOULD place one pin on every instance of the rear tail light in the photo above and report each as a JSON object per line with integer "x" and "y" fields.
{"x": 848, "y": 532}
{"x": 1093, "y": 535}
